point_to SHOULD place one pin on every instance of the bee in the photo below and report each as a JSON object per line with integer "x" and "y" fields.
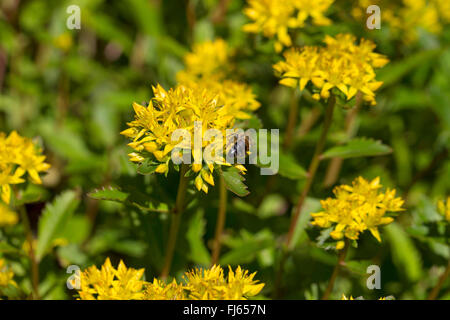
{"x": 238, "y": 146}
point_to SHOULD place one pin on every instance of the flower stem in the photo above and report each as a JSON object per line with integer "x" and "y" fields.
{"x": 221, "y": 214}
{"x": 32, "y": 256}
{"x": 176, "y": 219}
{"x": 312, "y": 168}
{"x": 292, "y": 121}
{"x": 434, "y": 293}
{"x": 335, "y": 164}
{"x": 311, "y": 174}
{"x": 336, "y": 270}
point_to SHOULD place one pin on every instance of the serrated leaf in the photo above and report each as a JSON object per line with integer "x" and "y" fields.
{"x": 56, "y": 215}
{"x": 147, "y": 167}
{"x": 234, "y": 181}
{"x": 109, "y": 194}
{"x": 359, "y": 147}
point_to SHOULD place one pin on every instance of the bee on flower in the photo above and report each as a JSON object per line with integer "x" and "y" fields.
{"x": 274, "y": 18}
{"x": 19, "y": 156}
{"x": 357, "y": 208}
{"x": 154, "y": 130}
{"x": 341, "y": 64}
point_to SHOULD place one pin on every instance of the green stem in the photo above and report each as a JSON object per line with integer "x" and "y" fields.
{"x": 336, "y": 270}
{"x": 221, "y": 214}
{"x": 32, "y": 256}
{"x": 175, "y": 223}
{"x": 312, "y": 168}
{"x": 311, "y": 174}
{"x": 434, "y": 293}
{"x": 292, "y": 121}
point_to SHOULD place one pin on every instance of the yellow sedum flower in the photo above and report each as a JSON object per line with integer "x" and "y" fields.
{"x": 207, "y": 284}
{"x": 274, "y": 18}
{"x": 125, "y": 283}
{"x": 110, "y": 283}
{"x": 209, "y": 66}
{"x": 356, "y": 208}
{"x": 444, "y": 209}
{"x": 19, "y": 155}
{"x": 341, "y": 64}
{"x": 7, "y": 216}
{"x": 406, "y": 17}
{"x": 6, "y": 275}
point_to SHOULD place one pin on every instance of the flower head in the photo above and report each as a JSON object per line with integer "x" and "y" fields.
{"x": 274, "y": 18}
{"x": 341, "y": 64}
{"x": 209, "y": 67}
{"x": 406, "y": 17}
{"x": 19, "y": 155}
{"x": 207, "y": 284}
{"x": 110, "y": 283}
{"x": 356, "y": 208}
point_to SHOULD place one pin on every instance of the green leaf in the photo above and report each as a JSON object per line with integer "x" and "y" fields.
{"x": 395, "y": 71}
{"x": 54, "y": 218}
{"x": 289, "y": 168}
{"x": 234, "y": 181}
{"x": 245, "y": 248}
{"x": 404, "y": 254}
{"x": 147, "y": 167}
{"x": 300, "y": 235}
{"x": 196, "y": 231}
{"x": 109, "y": 194}
{"x": 359, "y": 147}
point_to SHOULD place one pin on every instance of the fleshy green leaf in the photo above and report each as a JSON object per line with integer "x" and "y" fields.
{"x": 109, "y": 194}
{"x": 289, "y": 168}
{"x": 54, "y": 219}
{"x": 359, "y": 147}
{"x": 404, "y": 253}
{"x": 196, "y": 230}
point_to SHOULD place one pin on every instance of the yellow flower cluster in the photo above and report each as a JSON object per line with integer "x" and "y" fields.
{"x": 19, "y": 155}
{"x": 344, "y": 297}
{"x": 179, "y": 108}
{"x": 125, "y": 283}
{"x": 406, "y": 17}
{"x": 7, "y": 216}
{"x": 341, "y": 64}
{"x": 207, "y": 284}
{"x": 357, "y": 208}
{"x": 6, "y": 275}
{"x": 109, "y": 283}
{"x": 208, "y": 66}
{"x": 274, "y": 18}
{"x": 205, "y": 95}
{"x": 444, "y": 209}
